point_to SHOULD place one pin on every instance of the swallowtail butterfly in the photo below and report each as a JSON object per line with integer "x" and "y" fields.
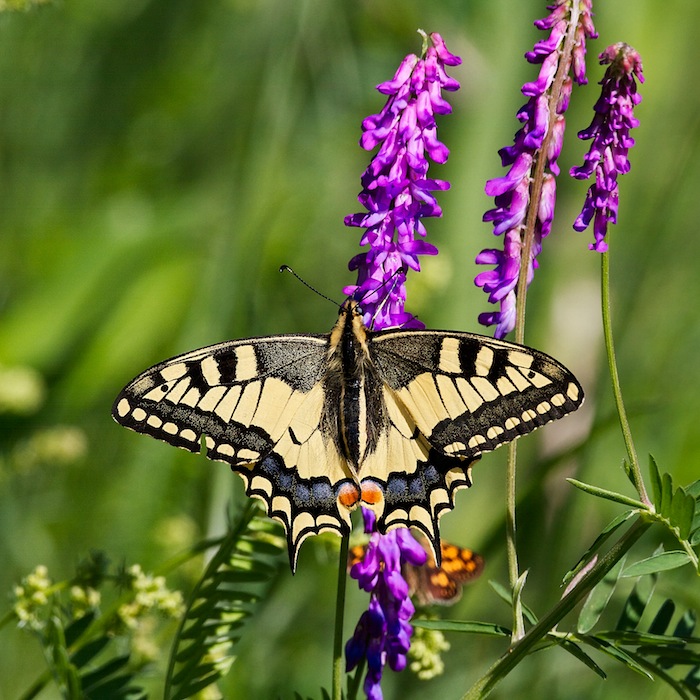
{"x": 319, "y": 424}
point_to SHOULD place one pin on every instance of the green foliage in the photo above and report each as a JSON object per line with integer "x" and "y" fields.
{"x": 161, "y": 160}
{"x": 84, "y": 650}
{"x": 235, "y": 582}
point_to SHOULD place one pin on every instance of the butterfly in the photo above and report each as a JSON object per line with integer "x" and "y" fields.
{"x": 433, "y": 583}
{"x": 319, "y": 424}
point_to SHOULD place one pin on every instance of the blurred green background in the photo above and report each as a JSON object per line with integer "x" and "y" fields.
{"x": 160, "y": 160}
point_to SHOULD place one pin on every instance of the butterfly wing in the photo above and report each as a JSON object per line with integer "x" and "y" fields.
{"x": 469, "y": 394}
{"x": 449, "y": 398}
{"x": 257, "y": 404}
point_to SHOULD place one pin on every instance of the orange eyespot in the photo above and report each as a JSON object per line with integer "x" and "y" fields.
{"x": 371, "y": 492}
{"x": 349, "y": 495}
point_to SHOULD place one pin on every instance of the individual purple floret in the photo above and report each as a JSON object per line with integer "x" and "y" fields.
{"x": 610, "y": 131}
{"x": 397, "y": 193}
{"x": 383, "y": 633}
{"x": 532, "y": 159}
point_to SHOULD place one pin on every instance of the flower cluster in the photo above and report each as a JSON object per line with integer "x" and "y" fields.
{"x": 32, "y": 598}
{"x": 83, "y": 599}
{"x": 396, "y": 192}
{"x": 529, "y": 185}
{"x": 611, "y": 140}
{"x": 383, "y": 633}
{"x": 397, "y": 195}
{"x": 426, "y": 653}
{"x": 150, "y": 593}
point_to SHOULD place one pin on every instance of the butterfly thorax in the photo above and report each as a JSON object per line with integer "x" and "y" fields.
{"x": 353, "y": 400}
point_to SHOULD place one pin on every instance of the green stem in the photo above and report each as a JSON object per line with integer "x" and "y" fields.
{"x": 339, "y": 613}
{"x": 635, "y": 470}
{"x": 538, "y": 632}
{"x": 511, "y": 547}
{"x": 37, "y": 687}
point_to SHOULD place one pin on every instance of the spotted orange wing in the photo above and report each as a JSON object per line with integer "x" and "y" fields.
{"x": 433, "y": 584}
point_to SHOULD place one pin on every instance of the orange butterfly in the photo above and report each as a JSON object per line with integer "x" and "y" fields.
{"x": 431, "y": 584}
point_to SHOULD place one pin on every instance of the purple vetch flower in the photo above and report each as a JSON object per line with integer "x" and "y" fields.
{"x": 610, "y": 129}
{"x": 532, "y": 159}
{"x": 397, "y": 195}
{"x": 396, "y": 191}
{"x": 383, "y": 633}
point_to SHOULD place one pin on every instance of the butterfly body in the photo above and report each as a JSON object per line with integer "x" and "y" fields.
{"x": 318, "y": 424}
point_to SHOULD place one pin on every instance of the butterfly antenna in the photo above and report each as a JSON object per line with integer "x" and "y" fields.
{"x": 286, "y": 268}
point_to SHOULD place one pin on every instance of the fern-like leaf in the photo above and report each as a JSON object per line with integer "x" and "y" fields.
{"x": 236, "y": 580}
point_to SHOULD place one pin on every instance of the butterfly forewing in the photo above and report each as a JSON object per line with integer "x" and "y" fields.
{"x": 469, "y": 394}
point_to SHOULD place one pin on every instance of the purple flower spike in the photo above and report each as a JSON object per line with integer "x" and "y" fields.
{"x": 383, "y": 634}
{"x": 611, "y": 140}
{"x": 540, "y": 137}
{"x": 397, "y": 193}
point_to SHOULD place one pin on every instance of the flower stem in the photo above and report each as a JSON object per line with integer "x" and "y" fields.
{"x": 511, "y": 548}
{"x": 521, "y": 297}
{"x": 339, "y": 613}
{"x": 516, "y": 653}
{"x": 635, "y": 470}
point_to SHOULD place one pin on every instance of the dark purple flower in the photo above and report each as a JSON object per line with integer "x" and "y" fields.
{"x": 540, "y": 137}
{"x": 611, "y": 140}
{"x": 383, "y": 633}
{"x": 397, "y": 195}
{"x": 396, "y": 191}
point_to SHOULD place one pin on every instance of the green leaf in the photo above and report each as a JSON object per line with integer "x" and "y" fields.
{"x": 663, "y": 617}
{"x": 686, "y": 625}
{"x": 607, "y": 531}
{"x": 519, "y": 630}
{"x": 89, "y": 651}
{"x": 668, "y": 656}
{"x": 580, "y": 654}
{"x": 655, "y": 478}
{"x": 616, "y": 653}
{"x": 608, "y": 495}
{"x": 466, "y": 626}
{"x": 237, "y": 578}
{"x": 598, "y": 599}
{"x": 76, "y": 628}
{"x": 658, "y": 562}
{"x": 636, "y": 603}
{"x": 95, "y": 678}
{"x": 682, "y": 512}
{"x": 666, "y": 494}
{"x": 634, "y": 638}
{"x": 661, "y": 674}
{"x": 692, "y": 680}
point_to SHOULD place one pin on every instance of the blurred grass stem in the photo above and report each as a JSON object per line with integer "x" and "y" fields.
{"x": 339, "y": 615}
{"x": 635, "y": 471}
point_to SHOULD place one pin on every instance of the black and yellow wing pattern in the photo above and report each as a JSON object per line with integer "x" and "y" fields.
{"x": 319, "y": 424}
